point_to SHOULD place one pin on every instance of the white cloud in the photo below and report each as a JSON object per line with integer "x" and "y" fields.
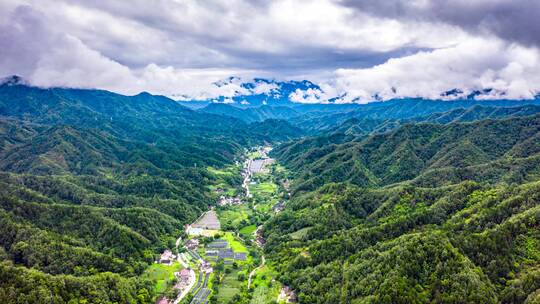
{"x": 191, "y": 83}
{"x": 308, "y": 96}
{"x": 264, "y": 88}
{"x": 181, "y": 48}
{"x": 510, "y": 70}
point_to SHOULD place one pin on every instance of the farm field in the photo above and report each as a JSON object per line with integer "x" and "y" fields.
{"x": 235, "y": 245}
{"x": 234, "y": 218}
{"x": 237, "y": 226}
{"x": 263, "y": 188}
{"x": 254, "y": 155}
{"x": 208, "y": 221}
{"x": 247, "y": 231}
{"x": 229, "y": 287}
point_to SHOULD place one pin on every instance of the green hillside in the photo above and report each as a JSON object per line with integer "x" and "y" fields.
{"x": 421, "y": 214}
{"x": 409, "y": 201}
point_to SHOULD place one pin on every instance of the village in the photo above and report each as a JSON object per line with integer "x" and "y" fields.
{"x": 209, "y": 254}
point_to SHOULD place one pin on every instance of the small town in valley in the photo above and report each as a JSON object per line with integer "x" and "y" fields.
{"x": 219, "y": 259}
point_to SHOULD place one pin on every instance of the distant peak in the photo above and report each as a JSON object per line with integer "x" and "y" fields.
{"x": 13, "y": 80}
{"x": 144, "y": 93}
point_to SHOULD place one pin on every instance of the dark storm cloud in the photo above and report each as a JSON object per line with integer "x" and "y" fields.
{"x": 512, "y": 20}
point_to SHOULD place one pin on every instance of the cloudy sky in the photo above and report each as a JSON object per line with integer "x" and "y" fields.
{"x": 355, "y": 49}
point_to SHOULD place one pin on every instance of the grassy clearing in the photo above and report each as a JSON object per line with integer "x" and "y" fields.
{"x": 247, "y": 231}
{"x": 227, "y": 171}
{"x": 162, "y": 275}
{"x": 254, "y": 155}
{"x": 266, "y": 206}
{"x": 235, "y": 245}
{"x": 278, "y": 169}
{"x": 224, "y": 179}
{"x": 299, "y": 234}
{"x": 263, "y": 188}
{"x": 234, "y": 218}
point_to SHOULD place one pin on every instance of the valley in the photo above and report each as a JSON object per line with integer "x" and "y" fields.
{"x": 223, "y": 249}
{"x": 107, "y": 198}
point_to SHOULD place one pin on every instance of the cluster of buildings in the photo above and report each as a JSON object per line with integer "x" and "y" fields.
{"x": 224, "y": 201}
{"x": 206, "y": 267}
{"x": 192, "y": 244}
{"x": 184, "y": 279}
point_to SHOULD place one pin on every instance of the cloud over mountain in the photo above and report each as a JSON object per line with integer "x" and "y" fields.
{"x": 355, "y": 50}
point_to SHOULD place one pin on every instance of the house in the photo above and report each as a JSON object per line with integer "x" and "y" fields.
{"x": 162, "y": 300}
{"x": 288, "y": 294}
{"x": 279, "y": 206}
{"x": 192, "y": 244}
{"x": 194, "y": 231}
{"x": 184, "y": 275}
{"x": 206, "y": 267}
{"x": 166, "y": 257}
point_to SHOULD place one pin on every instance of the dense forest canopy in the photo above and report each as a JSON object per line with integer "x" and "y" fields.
{"x": 406, "y": 201}
{"x": 422, "y": 213}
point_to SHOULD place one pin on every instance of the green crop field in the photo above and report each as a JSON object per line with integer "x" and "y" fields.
{"x": 247, "y": 231}
{"x": 265, "y": 187}
{"x": 254, "y": 155}
{"x": 236, "y": 245}
{"x": 233, "y": 218}
{"x": 227, "y": 171}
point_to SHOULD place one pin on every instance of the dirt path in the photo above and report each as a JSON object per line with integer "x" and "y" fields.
{"x": 252, "y": 273}
{"x": 247, "y": 178}
{"x": 178, "y": 243}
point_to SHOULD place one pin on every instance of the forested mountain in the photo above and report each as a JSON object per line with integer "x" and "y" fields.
{"x": 423, "y": 213}
{"x": 421, "y": 153}
{"x": 409, "y": 201}
{"x": 376, "y": 116}
{"x": 251, "y": 114}
{"x": 289, "y": 111}
{"x": 418, "y": 110}
{"x": 94, "y": 184}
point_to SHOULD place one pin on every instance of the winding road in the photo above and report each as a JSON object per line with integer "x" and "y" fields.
{"x": 252, "y": 273}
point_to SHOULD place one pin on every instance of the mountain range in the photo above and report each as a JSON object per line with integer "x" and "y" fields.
{"x": 402, "y": 201}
